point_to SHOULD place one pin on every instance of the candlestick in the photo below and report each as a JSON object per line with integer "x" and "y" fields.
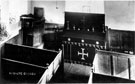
{"x": 67, "y": 25}
{"x": 74, "y": 27}
{"x": 93, "y": 29}
{"x": 78, "y": 28}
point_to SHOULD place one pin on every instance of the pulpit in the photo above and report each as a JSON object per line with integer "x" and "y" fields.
{"x": 32, "y": 30}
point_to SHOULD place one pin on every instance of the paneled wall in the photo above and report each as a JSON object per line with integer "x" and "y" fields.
{"x": 121, "y": 41}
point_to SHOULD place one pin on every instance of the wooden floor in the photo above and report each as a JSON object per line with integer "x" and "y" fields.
{"x": 70, "y": 75}
{"x": 69, "y": 78}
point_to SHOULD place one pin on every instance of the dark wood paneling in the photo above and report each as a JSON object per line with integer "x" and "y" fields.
{"x": 52, "y": 36}
{"x": 85, "y": 21}
{"x": 121, "y": 41}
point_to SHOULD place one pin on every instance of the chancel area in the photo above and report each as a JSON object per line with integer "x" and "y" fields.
{"x": 67, "y": 41}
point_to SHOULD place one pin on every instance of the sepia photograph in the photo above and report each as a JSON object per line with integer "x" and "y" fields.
{"x": 67, "y": 41}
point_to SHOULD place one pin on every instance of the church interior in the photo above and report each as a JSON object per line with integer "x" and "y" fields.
{"x": 67, "y": 41}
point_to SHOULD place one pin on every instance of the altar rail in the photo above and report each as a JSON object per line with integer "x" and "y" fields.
{"x": 114, "y": 64}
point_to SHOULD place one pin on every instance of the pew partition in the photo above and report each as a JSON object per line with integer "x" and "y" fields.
{"x": 24, "y": 64}
{"x": 114, "y": 64}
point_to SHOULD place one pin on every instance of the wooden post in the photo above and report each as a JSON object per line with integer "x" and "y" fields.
{"x": 62, "y": 62}
{"x": 91, "y": 76}
{"x": 129, "y": 71}
{"x": 112, "y": 67}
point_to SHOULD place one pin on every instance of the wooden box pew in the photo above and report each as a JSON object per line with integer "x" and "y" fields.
{"x": 23, "y": 64}
{"x": 114, "y": 64}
